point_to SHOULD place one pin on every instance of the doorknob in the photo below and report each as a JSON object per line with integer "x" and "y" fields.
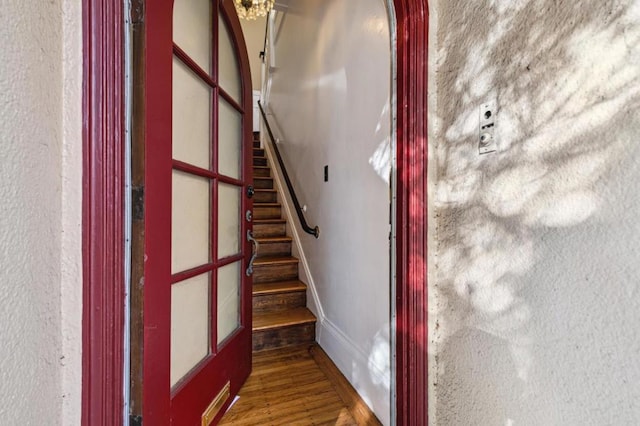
{"x": 254, "y": 252}
{"x": 250, "y": 191}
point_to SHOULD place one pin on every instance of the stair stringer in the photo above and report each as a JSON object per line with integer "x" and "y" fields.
{"x": 313, "y": 302}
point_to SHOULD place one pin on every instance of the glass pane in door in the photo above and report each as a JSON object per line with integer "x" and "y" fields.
{"x": 229, "y": 199}
{"x": 191, "y": 121}
{"x": 190, "y": 333}
{"x": 228, "y": 70}
{"x": 190, "y": 222}
{"x": 192, "y": 30}
{"x": 229, "y": 140}
{"x": 228, "y": 300}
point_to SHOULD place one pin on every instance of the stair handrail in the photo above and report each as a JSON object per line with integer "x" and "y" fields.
{"x": 266, "y": 33}
{"x": 315, "y": 231}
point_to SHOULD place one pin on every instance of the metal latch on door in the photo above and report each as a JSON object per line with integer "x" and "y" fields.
{"x": 254, "y": 252}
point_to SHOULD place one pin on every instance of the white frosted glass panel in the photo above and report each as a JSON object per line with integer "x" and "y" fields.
{"x": 229, "y": 198}
{"x": 228, "y": 300}
{"x": 190, "y": 221}
{"x": 191, "y": 117}
{"x": 229, "y": 140}
{"x": 192, "y": 30}
{"x": 189, "y": 325}
{"x": 228, "y": 70}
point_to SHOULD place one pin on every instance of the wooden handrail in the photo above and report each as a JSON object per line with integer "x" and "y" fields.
{"x": 315, "y": 231}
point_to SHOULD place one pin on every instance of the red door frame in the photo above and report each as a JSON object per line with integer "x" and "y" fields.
{"x": 103, "y": 207}
{"x": 412, "y": 31}
{"x": 102, "y": 215}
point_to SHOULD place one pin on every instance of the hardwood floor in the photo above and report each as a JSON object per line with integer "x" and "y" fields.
{"x": 297, "y": 386}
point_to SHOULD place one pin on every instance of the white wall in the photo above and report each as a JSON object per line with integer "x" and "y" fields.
{"x": 40, "y": 78}
{"x": 253, "y": 32}
{"x": 537, "y": 253}
{"x": 330, "y": 95}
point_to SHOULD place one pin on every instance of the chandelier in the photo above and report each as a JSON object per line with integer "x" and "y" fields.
{"x": 252, "y": 9}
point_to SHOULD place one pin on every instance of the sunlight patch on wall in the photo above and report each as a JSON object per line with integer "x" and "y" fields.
{"x": 381, "y": 160}
{"x": 564, "y": 83}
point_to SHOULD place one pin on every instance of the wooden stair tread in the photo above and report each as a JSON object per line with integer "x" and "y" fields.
{"x": 274, "y": 260}
{"x": 278, "y": 287}
{"x": 266, "y": 321}
{"x": 280, "y": 317}
{"x": 267, "y": 240}
{"x": 274, "y": 227}
{"x": 268, "y": 221}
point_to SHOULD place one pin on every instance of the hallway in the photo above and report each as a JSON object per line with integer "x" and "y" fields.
{"x": 300, "y": 386}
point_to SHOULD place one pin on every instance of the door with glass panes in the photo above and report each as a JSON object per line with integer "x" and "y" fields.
{"x": 197, "y": 304}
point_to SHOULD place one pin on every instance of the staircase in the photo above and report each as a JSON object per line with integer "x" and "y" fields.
{"x": 280, "y": 315}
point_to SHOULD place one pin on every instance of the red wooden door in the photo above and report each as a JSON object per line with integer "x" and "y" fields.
{"x": 197, "y": 303}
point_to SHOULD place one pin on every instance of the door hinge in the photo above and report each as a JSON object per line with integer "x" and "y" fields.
{"x": 137, "y": 202}
{"x": 135, "y": 420}
{"x": 136, "y": 11}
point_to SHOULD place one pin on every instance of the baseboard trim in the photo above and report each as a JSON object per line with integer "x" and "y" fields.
{"x": 361, "y": 413}
{"x": 349, "y": 347}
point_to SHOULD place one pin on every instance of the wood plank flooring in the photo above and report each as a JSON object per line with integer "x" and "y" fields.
{"x": 297, "y": 386}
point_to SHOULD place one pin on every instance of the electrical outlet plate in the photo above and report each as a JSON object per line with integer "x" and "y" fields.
{"x": 486, "y": 136}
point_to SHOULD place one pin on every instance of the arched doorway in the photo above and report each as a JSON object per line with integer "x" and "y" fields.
{"x": 103, "y": 207}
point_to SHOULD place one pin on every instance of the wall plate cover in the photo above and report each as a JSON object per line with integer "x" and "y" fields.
{"x": 486, "y": 136}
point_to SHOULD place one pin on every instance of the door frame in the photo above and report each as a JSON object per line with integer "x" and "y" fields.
{"x": 103, "y": 211}
{"x": 412, "y": 56}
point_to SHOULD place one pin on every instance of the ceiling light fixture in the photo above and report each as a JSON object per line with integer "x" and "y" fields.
{"x": 252, "y": 9}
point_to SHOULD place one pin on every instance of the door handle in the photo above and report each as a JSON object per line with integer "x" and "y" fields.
{"x": 254, "y": 252}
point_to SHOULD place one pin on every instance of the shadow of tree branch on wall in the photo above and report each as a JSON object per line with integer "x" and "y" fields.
{"x": 566, "y": 78}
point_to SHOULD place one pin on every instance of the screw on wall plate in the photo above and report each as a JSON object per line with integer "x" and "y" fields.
{"x": 486, "y": 138}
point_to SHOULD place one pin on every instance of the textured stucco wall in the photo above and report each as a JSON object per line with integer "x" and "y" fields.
{"x": 71, "y": 239}
{"x": 536, "y": 246}
{"x": 330, "y": 93}
{"x": 34, "y": 128}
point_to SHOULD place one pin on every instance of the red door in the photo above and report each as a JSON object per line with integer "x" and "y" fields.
{"x": 197, "y": 303}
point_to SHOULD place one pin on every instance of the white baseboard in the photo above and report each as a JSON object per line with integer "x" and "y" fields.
{"x": 346, "y": 355}
{"x": 350, "y": 350}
